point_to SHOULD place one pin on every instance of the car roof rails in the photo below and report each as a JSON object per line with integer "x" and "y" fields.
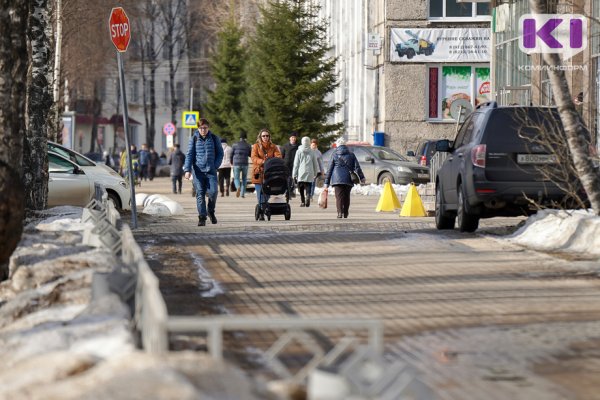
{"x": 490, "y": 104}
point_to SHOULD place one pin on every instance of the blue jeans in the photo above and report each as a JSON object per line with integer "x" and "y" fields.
{"x": 206, "y": 184}
{"x": 259, "y": 195}
{"x": 176, "y": 179}
{"x": 236, "y": 178}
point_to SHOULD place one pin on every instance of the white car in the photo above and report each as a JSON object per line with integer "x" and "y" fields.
{"x": 116, "y": 187}
{"x": 68, "y": 185}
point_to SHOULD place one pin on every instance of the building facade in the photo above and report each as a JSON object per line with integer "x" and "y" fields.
{"x": 432, "y": 53}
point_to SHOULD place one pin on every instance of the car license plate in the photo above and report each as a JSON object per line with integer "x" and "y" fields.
{"x": 537, "y": 159}
{"x": 424, "y": 176}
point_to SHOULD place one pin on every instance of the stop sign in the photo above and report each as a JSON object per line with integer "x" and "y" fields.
{"x": 118, "y": 26}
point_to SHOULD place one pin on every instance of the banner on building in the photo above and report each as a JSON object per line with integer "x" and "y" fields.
{"x": 440, "y": 45}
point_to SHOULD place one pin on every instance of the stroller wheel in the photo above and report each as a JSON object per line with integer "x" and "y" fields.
{"x": 257, "y": 212}
{"x": 268, "y": 214}
{"x": 288, "y": 213}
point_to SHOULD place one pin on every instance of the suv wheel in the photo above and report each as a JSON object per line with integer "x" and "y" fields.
{"x": 442, "y": 220}
{"x": 385, "y": 177}
{"x": 466, "y": 222}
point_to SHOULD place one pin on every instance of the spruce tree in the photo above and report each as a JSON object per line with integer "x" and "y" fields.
{"x": 223, "y": 107}
{"x": 289, "y": 74}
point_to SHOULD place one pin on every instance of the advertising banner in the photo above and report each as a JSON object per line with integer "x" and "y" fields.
{"x": 440, "y": 45}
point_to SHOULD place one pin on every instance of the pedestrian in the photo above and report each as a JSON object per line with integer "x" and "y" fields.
{"x": 225, "y": 169}
{"x": 261, "y": 151}
{"x": 203, "y": 158}
{"x": 314, "y": 146}
{"x": 338, "y": 175}
{"x": 305, "y": 170}
{"x": 144, "y": 157}
{"x": 176, "y": 161}
{"x": 152, "y": 163}
{"x": 239, "y": 159}
{"x": 108, "y": 160}
{"x": 288, "y": 152}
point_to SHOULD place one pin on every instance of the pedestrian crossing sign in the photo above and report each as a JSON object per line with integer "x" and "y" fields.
{"x": 190, "y": 119}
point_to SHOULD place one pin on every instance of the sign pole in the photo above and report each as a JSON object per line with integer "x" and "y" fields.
{"x": 191, "y": 107}
{"x": 126, "y": 127}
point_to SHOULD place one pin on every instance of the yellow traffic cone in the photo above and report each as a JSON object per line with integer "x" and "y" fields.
{"x": 388, "y": 201}
{"x": 413, "y": 206}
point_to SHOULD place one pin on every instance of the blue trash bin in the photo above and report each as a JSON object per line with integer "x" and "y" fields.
{"x": 378, "y": 138}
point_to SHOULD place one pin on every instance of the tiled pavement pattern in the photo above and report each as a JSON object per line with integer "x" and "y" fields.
{"x": 455, "y": 306}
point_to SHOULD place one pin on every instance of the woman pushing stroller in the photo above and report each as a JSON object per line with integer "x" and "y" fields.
{"x": 262, "y": 150}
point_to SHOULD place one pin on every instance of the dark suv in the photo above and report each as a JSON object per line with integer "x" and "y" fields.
{"x": 425, "y": 150}
{"x": 499, "y": 165}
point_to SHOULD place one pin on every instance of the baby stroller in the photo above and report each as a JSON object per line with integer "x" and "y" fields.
{"x": 275, "y": 182}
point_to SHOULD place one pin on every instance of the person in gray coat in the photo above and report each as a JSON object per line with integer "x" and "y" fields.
{"x": 305, "y": 169}
{"x": 176, "y": 161}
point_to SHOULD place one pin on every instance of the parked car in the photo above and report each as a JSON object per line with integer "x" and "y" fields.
{"x": 116, "y": 187}
{"x": 68, "y": 184}
{"x": 98, "y": 158}
{"x": 381, "y": 164}
{"x": 425, "y": 150}
{"x": 497, "y": 165}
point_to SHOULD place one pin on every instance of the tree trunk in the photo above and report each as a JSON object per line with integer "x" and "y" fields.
{"x": 578, "y": 136}
{"x": 39, "y": 103}
{"x": 13, "y": 79}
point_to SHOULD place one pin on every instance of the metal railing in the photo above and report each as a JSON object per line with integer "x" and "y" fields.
{"x": 435, "y": 163}
{"x": 154, "y": 324}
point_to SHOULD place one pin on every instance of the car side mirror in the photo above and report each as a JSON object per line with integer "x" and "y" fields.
{"x": 78, "y": 171}
{"x": 369, "y": 159}
{"x": 443, "y": 146}
{"x": 410, "y": 153}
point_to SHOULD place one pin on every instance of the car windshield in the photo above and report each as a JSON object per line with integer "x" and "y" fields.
{"x": 71, "y": 155}
{"x": 387, "y": 154}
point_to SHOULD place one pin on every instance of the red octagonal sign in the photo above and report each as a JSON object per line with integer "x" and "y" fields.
{"x": 118, "y": 26}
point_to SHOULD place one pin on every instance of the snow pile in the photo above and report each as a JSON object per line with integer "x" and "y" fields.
{"x": 159, "y": 205}
{"x": 370, "y": 190}
{"x": 61, "y": 340}
{"x": 575, "y": 232}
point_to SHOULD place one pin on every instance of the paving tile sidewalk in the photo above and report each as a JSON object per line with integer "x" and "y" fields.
{"x": 475, "y": 315}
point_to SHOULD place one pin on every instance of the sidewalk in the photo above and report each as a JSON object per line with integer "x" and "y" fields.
{"x": 477, "y": 316}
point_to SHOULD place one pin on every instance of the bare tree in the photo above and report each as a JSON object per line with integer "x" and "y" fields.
{"x": 13, "y": 83}
{"x": 39, "y": 103}
{"x": 175, "y": 44}
{"x": 148, "y": 14}
{"x": 578, "y": 136}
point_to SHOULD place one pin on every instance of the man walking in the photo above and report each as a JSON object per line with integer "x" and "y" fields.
{"x": 144, "y": 157}
{"x": 239, "y": 159}
{"x": 288, "y": 153}
{"x": 176, "y": 161}
{"x": 204, "y": 156}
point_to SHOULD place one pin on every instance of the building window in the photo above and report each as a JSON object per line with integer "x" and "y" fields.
{"x": 451, "y": 9}
{"x": 448, "y": 84}
{"x": 135, "y": 93}
{"x": 179, "y": 92}
{"x": 166, "y": 92}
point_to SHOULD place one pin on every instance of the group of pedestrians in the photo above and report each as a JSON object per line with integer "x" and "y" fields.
{"x": 143, "y": 163}
{"x": 210, "y": 160}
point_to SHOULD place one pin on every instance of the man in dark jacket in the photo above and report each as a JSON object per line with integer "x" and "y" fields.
{"x": 203, "y": 159}
{"x": 239, "y": 159}
{"x": 288, "y": 153}
{"x": 176, "y": 161}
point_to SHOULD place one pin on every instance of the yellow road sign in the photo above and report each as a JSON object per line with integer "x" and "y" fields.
{"x": 190, "y": 119}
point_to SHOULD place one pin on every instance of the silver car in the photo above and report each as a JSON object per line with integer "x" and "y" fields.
{"x": 381, "y": 164}
{"x": 68, "y": 184}
{"x": 116, "y": 187}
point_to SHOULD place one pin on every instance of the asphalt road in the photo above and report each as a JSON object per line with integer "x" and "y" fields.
{"x": 478, "y": 317}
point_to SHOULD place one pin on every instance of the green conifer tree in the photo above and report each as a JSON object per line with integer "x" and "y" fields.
{"x": 223, "y": 107}
{"x": 289, "y": 75}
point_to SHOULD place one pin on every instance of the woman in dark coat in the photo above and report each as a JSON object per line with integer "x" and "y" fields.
{"x": 338, "y": 175}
